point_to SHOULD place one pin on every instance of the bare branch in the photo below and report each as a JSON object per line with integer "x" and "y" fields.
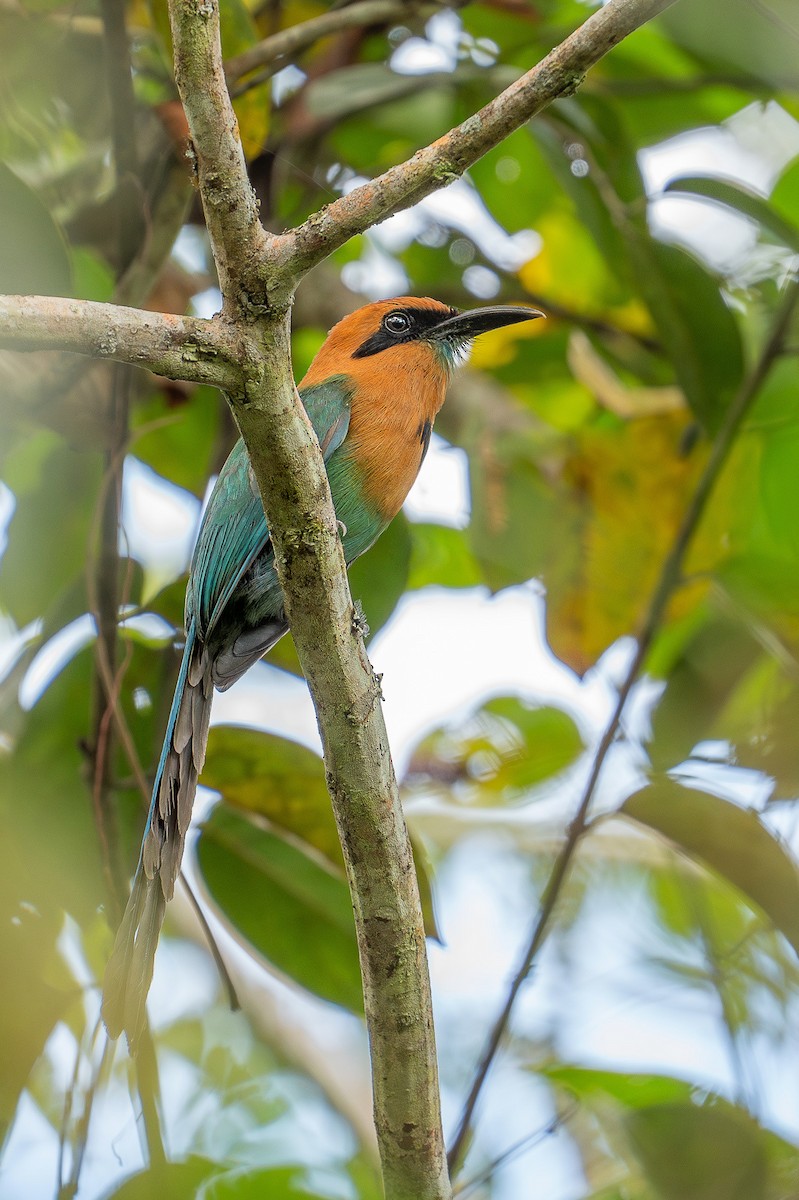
{"x": 559, "y": 74}
{"x": 272, "y": 51}
{"x": 238, "y": 239}
{"x": 186, "y": 348}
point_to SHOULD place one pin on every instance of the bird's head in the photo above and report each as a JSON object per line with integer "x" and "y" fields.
{"x": 406, "y": 334}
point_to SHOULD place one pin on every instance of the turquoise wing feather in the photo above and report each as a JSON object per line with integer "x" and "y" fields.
{"x": 234, "y": 532}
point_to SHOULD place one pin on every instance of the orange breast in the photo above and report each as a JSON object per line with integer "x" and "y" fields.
{"x": 397, "y": 397}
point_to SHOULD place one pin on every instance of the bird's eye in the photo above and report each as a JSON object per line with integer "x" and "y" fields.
{"x": 397, "y": 322}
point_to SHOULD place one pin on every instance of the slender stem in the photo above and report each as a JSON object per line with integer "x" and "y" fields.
{"x": 212, "y": 944}
{"x": 670, "y": 578}
{"x": 109, "y": 593}
{"x": 105, "y": 608}
{"x": 149, "y": 1092}
{"x": 67, "y": 1189}
{"x": 119, "y": 83}
{"x": 273, "y": 51}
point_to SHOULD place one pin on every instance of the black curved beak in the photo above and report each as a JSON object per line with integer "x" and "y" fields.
{"x": 480, "y": 320}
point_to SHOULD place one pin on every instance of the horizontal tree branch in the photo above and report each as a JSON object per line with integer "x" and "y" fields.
{"x": 187, "y": 348}
{"x": 273, "y": 51}
{"x": 559, "y": 74}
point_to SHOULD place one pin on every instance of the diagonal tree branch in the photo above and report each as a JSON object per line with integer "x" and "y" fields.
{"x": 446, "y": 159}
{"x": 187, "y": 348}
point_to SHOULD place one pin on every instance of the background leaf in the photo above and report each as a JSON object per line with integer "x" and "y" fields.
{"x": 731, "y": 840}
{"x": 302, "y": 923}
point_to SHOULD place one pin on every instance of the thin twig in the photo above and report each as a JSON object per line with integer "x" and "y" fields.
{"x": 69, "y": 1188}
{"x": 273, "y": 51}
{"x": 670, "y": 578}
{"x": 149, "y": 1093}
{"x": 119, "y": 82}
{"x": 105, "y": 610}
{"x": 213, "y": 946}
{"x": 528, "y": 1142}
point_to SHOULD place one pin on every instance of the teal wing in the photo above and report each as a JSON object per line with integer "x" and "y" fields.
{"x": 233, "y": 532}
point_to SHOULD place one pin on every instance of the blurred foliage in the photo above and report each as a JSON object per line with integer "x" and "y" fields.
{"x": 655, "y": 217}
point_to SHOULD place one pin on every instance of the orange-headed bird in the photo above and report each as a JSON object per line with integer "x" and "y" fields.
{"x": 372, "y": 394}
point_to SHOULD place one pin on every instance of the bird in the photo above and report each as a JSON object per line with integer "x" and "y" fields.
{"x": 372, "y": 394}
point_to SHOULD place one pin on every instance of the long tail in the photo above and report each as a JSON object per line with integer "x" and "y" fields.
{"x": 130, "y": 968}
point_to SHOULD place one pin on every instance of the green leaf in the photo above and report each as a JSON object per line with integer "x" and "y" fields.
{"x": 94, "y": 279}
{"x": 752, "y": 44}
{"x": 743, "y": 200}
{"x": 29, "y": 1003}
{"x": 291, "y": 908}
{"x": 33, "y": 254}
{"x": 56, "y": 492}
{"x": 179, "y": 439}
{"x": 285, "y": 782}
{"x": 500, "y": 753}
{"x": 441, "y": 556}
{"x": 732, "y": 841}
{"x": 268, "y": 1183}
{"x": 627, "y": 1088}
{"x": 710, "y": 665}
{"x": 509, "y": 499}
{"x": 280, "y": 779}
{"x": 780, "y": 484}
{"x": 167, "y": 1181}
{"x": 707, "y": 1153}
{"x": 514, "y": 183}
{"x": 785, "y": 195}
{"x": 588, "y": 200}
{"x": 43, "y": 786}
{"x": 368, "y": 86}
{"x": 697, "y": 328}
